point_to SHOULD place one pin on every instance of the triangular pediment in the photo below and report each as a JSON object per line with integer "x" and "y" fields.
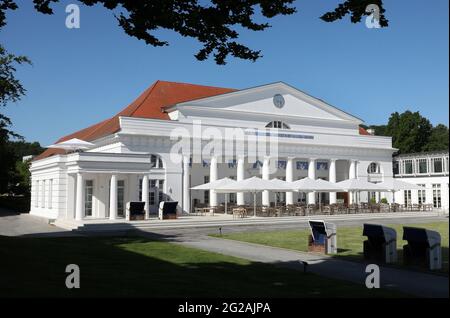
{"x": 261, "y": 100}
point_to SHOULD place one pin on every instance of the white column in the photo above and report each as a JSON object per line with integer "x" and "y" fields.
{"x": 144, "y": 195}
{"x": 213, "y": 177}
{"x": 312, "y": 175}
{"x": 239, "y": 177}
{"x": 186, "y": 185}
{"x": 79, "y": 208}
{"x": 332, "y": 178}
{"x": 352, "y": 175}
{"x": 113, "y": 198}
{"x": 266, "y": 176}
{"x": 290, "y": 178}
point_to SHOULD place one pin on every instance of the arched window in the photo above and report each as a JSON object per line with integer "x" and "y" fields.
{"x": 278, "y": 124}
{"x": 373, "y": 168}
{"x": 156, "y": 161}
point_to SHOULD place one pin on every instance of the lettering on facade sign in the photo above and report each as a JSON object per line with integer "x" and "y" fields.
{"x": 373, "y": 279}
{"x": 73, "y": 279}
{"x": 284, "y": 135}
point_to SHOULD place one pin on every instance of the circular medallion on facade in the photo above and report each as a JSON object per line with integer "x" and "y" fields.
{"x": 278, "y": 100}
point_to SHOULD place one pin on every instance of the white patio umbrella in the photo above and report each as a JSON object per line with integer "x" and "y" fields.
{"x": 311, "y": 185}
{"x": 72, "y": 144}
{"x": 358, "y": 185}
{"x": 215, "y": 184}
{"x": 281, "y": 183}
{"x": 255, "y": 185}
{"x": 395, "y": 185}
{"x": 316, "y": 185}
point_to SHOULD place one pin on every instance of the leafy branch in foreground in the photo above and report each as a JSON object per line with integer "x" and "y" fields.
{"x": 213, "y": 23}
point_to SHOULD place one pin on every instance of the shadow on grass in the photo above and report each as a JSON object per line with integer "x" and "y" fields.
{"x": 151, "y": 267}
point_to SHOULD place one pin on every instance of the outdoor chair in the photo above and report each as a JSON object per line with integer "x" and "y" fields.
{"x": 384, "y": 207}
{"x": 239, "y": 212}
{"x": 290, "y": 209}
{"x": 395, "y": 207}
{"x": 199, "y": 211}
{"x": 353, "y": 208}
{"x": 374, "y": 208}
{"x": 326, "y": 210}
{"x": 311, "y": 209}
{"x": 300, "y": 211}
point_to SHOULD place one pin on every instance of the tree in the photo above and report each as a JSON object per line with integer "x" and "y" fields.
{"x": 380, "y": 130}
{"x": 11, "y": 90}
{"x": 214, "y": 23}
{"x": 438, "y": 139}
{"x": 410, "y": 131}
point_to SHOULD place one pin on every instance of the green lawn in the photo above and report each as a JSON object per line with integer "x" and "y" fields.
{"x": 140, "y": 267}
{"x": 350, "y": 240}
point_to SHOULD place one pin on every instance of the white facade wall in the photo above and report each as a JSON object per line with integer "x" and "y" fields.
{"x": 428, "y": 182}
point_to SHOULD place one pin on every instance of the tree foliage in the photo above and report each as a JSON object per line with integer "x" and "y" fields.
{"x": 438, "y": 139}
{"x": 411, "y": 132}
{"x": 213, "y": 23}
{"x": 14, "y": 173}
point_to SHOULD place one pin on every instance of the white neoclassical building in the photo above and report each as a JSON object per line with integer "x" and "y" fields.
{"x": 175, "y": 136}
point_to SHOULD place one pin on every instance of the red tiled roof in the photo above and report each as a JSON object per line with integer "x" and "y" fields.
{"x": 362, "y": 131}
{"x": 148, "y": 105}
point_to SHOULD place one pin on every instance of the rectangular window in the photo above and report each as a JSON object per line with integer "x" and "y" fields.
{"x": 408, "y": 166}
{"x": 322, "y": 166}
{"x": 50, "y": 193}
{"x": 421, "y": 195}
{"x": 232, "y": 198}
{"x": 206, "y": 193}
{"x": 43, "y": 194}
{"x": 423, "y": 166}
{"x": 257, "y": 164}
{"x": 88, "y": 193}
{"x": 437, "y": 165}
{"x": 436, "y": 195}
{"x": 395, "y": 167}
{"x": 302, "y": 165}
{"x": 281, "y": 164}
{"x": 161, "y": 190}
{"x": 232, "y": 163}
{"x": 407, "y": 197}
{"x": 151, "y": 198}
{"x": 36, "y": 194}
{"x": 121, "y": 197}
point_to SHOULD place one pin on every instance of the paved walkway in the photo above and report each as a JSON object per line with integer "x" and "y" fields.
{"x": 13, "y": 224}
{"x": 410, "y": 282}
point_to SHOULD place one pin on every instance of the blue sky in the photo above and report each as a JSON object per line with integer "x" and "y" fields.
{"x": 82, "y": 76}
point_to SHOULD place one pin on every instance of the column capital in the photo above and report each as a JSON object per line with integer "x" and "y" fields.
{"x": 291, "y": 158}
{"x": 312, "y": 159}
{"x": 333, "y": 159}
